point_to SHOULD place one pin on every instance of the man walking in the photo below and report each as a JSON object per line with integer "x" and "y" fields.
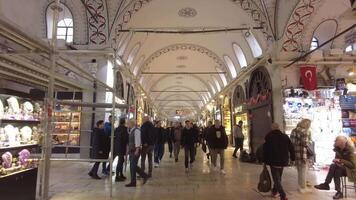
{"x": 134, "y": 153}
{"x": 148, "y": 141}
{"x": 98, "y": 148}
{"x": 177, "y": 136}
{"x": 239, "y": 138}
{"x": 218, "y": 144}
{"x": 189, "y": 140}
{"x": 121, "y": 142}
{"x": 277, "y": 149}
{"x": 159, "y": 146}
{"x": 107, "y": 130}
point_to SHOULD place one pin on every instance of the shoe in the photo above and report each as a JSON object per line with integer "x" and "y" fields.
{"x": 234, "y": 156}
{"x": 156, "y": 165}
{"x": 186, "y": 170}
{"x": 119, "y": 179}
{"x": 191, "y": 166}
{"x": 130, "y": 185}
{"x": 222, "y": 172}
{"x": 338, "y": 195}
{"x": 274, "y": 194}
{"x": 123, "y": 177}
{"x": 94, "y": 176}
{"x": 106, "y": 173}
{"x": 145, "y": 180}
{"x": 216, "y": 169}
{"x": 139, "y": 177}
{"x": 322, "y": 186}
{"x": 176, "y": 159}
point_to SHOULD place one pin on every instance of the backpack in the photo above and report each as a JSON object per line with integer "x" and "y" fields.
{"x": 265, "y": 183}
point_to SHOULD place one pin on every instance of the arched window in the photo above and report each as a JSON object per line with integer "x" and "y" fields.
{"x": 212, "y": 87}
{"x": 314, "y": 43}
{"x": 231, "y": 66}
{"x": 217, "y": 84}
{"x": 133, "y": 54}
{"x": 222, "y": 76}
{"x": 65, "y": 23}
{"x": 349, "y": 48}
{"x": 253, "y": 43}
{"x": 138, "y": 65}
{"x": 240, "y": 55}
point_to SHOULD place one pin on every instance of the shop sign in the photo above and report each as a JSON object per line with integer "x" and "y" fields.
{"x": 238, "y": 109}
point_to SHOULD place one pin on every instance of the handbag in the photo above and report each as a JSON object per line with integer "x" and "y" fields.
{"x": 310, "y": 152}
{"x": 265, "y": 183}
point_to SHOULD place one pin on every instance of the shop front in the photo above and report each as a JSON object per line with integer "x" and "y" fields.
{"x": 259, "y": 106}
{"x": 226, "y": 120}
{"x": 240, "y": 113}
{"x": 322, "y": 107}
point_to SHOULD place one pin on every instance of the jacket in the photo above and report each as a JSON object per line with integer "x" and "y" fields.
{"x": 189, "y": 137}
{"x": 177, "y": 134}
{"x": 217, "y": 138}
{"x": 300, "y": 140}
{"x": 278, "y": 149}
{"x": 121, "y": 140}
{"x": 99, "y": 142}
{"x": 160, "y": 135}
{"x": 148, "y": 133}
{"x": 347, "y": 156}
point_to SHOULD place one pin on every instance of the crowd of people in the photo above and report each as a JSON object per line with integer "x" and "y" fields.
{"x": 147, "y": 143}
{"x": 279, "y": 150}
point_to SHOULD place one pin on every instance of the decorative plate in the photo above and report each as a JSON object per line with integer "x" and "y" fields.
{"x": 28, "y": 107}
{"x": 14, "y": 105}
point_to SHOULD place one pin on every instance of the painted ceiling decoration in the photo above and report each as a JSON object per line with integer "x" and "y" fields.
{"x": 188, "y": 47}
{"x": 97, "y": 20}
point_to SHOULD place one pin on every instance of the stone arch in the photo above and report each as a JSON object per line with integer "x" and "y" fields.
{"x": 175, "y": 86}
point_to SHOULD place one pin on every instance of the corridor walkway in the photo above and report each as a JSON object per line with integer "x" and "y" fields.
{"x": 170, "y": 182}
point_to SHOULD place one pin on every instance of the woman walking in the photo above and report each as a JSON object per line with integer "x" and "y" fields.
{"x": 300, "y": 138}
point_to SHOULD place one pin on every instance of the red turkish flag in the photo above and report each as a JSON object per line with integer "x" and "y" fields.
{"x": 308, "y": 74}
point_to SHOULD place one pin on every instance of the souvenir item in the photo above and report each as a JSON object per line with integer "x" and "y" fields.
{"x": 13, "y": 105}
{"x": 24, "y": 155}
{"x": 26, "y": 134}
{"x": 1, "y": 110}
{"x": 28, "y": 107}
{"x": 7, "y": 160}
{"x": 10, "y": 132}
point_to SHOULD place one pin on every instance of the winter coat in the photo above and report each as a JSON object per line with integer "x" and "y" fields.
{"x": 148, "y": 133}
{"x": 347, "y": 156}
{"x": 277, "y": 149}
{"x": 160, "y": 135}
{"x": 189, "y": 137}
{"x": 217, "y": 138}
{"x": 99, "y": 144}
{"x": 121, "y": 140}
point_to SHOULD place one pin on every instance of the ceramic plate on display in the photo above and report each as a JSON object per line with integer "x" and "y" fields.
{"x": 28, "y": 107}
{"x": 26, "y": 133}
{"x": 1, "y": 110}
{"x": 14, "y": 104}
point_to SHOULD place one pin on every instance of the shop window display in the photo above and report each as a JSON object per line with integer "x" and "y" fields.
{"x": 323, "y": 108}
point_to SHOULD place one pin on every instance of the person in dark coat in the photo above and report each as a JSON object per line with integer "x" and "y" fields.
{"x": 121, "y": 142}
{"x": 159, "y": 145}
{"x": 189, "y": 141}
{"x": 148, "y": 142}
{"x": 205, "y": 138}
{"x": 278, "y": 150}
{"x": 98, "y": 148}
{"x": 107, "y": 130}
{"x": 218, "y": 143}
{"x": 170, "y": 140}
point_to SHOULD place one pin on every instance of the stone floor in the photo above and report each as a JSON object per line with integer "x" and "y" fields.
{"x": 69, "y": 181}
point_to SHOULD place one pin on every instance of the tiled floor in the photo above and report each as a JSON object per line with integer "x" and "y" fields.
{"x": 69, "y": 181}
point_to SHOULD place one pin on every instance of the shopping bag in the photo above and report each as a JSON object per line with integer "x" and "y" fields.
{"x": 265, "y": 183}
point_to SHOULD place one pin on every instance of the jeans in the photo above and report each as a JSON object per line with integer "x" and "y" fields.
{"x": 239, "y": 144}
{"x": 147, "y": 151}
{"x": 214, "y": 156}
{"x": 335, "y": 172}
{"x": 135, "y": 169}
{"x": 159, "y": 151}
{"x": 302, "y": 173}
{"x": 120, "y": 166}
{"x": 189, "y": 155}
{"x": 277, "y": 173}
{"x": 94, "y": 169}
{"x": 176, "y": 149}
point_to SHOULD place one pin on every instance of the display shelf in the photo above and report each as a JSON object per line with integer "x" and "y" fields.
{"x": 16, "y": 172}
{"x": 17, "y": 121}
{"x": 9, "y": 148}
